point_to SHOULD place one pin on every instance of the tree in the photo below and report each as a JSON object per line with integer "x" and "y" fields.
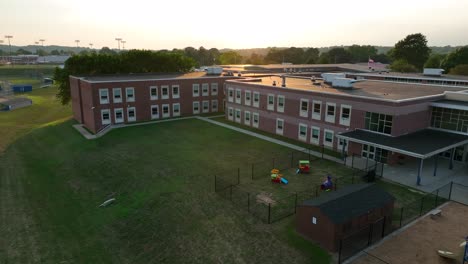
{"x": 434, "y": 61}
{"x": 338, "y": 55}
{"x": 311, "y": 55}
{"x": 106, "y": 50}
{"x": 230, "y": 57}
{"x": 413, "y": 49}
{"x": 402, "y": 66}
{"x": 362, "y": 53}
{"x": 22, "y": 51}
{"x": 255, "y": 59}
{"x": 454, "y": 58}
{"x": 461, "y": 69}
{"x": 54, "y": 52}
{"x": 382, "y": 58}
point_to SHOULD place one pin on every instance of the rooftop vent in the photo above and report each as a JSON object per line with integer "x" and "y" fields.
{"x": 283, "y": 83}
{"x": 328, "y": 77}
{"x": 346, "y": 83}
{"x": 274, "y": 83}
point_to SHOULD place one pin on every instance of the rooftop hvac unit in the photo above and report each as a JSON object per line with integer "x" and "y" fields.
{"x": 328, "y": 77}
{"x": 346, "y": 83}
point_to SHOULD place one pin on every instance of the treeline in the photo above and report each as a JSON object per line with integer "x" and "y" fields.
{"x": 133, "y": 61}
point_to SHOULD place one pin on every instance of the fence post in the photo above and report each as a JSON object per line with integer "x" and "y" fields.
{"x": 339, "y": 251}
{"x": 215, "y": 183}
{"x": 381, "y": 173}
{"x": 383, "y": 227}
{"x": 450, "y": 192}
{"x": 238, "y": 175}
{"x": 269, "y": 212}
{"x": 369, "y": 239}
{"x": 230, "y": 191}
{"x": 352, "y": 162}
{"x": 248, "y": 202}
{"x": 323, "y": 149}
{"x": 295, "y": 204}
{"x": 336, "y": 184}
{"x": 401, "y": 216}
{"x": 437, "y": 198}
{"x": 422, "y": 205}
{"x": 292, "y": 159}
{"x": 252, "y": 171}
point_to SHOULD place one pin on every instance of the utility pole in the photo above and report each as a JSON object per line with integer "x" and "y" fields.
{"x": 118, "y": 42}
{"x": 9, "y": 45}
{"x": 123, "y": 44}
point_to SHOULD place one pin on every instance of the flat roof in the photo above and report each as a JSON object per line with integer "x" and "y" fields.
{"x": 421, "y": 144}
{"x": 341, "y": 66}
{"x": 147, "y": 76}
{"x": 443, "y": 77}
{"x": 374, "y": 89}
{"x": 451, "y": 104}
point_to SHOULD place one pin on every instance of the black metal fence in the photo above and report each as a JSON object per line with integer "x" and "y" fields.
{"x": 402, "y": 215}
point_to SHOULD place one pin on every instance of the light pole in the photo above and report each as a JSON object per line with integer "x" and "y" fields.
{"x": 118, "y": 41}
{"x": 42, "y": 44}
{"x": 91, "y": 46}
{"x": 123, "y": 44}
{"x": 9, "y": 46}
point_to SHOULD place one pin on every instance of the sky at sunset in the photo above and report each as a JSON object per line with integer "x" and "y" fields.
{"x": 232, "y": 24}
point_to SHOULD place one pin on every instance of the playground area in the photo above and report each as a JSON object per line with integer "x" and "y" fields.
{"x": 420, "y": 242}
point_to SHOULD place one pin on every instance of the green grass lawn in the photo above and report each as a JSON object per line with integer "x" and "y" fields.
{"x": 26, "y": 71}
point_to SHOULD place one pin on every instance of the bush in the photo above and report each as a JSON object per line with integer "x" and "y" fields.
{"x": 402, "y": 66}
{"x": 461, "y": 69}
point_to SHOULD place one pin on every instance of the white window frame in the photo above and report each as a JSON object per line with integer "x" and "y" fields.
{"x": 256, "y": 103}
{"x": 368, "y": 152}
{"x": 177, "y": 88}
{"x": 164, "y": 87}
{"x": 214, "y": 105}
{"x": 168, "y": 114}
{"x": 345, "y": 121}
{"x": 299, "y": 136}
{"x": 131, "y": 119}
{"x": 247, "y": 118}
{"x": 231, "y": 95}
{"x": 117, "y": 100}
{"x": 238, "y": 96}
{"x": 237, "y": 115}
{"x": 214, "y": 88}
{"x": 316, "y": 116}
{"x": 205, "y": 89}
{"x": 313, "y": 140}
{"x": 127, "y": 98}
{"x": 196, "y": 103}
{"x": 153, "y": 97}
{"x": 304, "y": 113}
{"x": 271, "y": 106}
{"x": 157, "y": 115}
{"x": 231, "y": 113}
{"x": 325, "y": 142}
{"x": 330, "y": 118}
{"x": 108, "y": 121}
{"x": 174, "y": 113}
{"x": 280, "y": 108}
{"x": 195, "y": 90}
{"x": 105, "y": 101}
{"x": 279, "y": 131}
{"x": 206, "y": 102}
{"x": 120, "y": 120}
{"x": 255, "y": 124}
{"x": 247, "y": 97}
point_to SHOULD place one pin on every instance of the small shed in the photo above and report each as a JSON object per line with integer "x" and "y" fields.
{"x": 329, "y": 218}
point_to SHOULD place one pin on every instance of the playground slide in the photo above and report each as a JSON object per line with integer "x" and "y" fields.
{"x": 283, "y": 180}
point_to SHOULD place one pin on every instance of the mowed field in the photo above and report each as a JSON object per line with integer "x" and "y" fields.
{"x": 53, "y": 180}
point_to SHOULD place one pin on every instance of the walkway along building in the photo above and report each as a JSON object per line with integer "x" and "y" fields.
{"x": 387, "y": 121}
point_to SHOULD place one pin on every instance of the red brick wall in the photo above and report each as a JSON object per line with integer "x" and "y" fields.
{"x": 322, "y": 232}
{"x": 75, "y": 99}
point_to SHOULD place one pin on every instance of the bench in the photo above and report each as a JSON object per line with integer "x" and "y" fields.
{"x": 435, "y": 213}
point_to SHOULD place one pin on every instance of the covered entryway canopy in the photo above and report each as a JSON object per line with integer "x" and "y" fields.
{"x": 422, "y": 144}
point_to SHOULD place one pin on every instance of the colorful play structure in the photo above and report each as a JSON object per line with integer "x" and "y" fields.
{"x": 276, "y": 177}
{"x": 304, "y": 167}
{"x": 461, "y": 253}
{"x": 327, "y": 185}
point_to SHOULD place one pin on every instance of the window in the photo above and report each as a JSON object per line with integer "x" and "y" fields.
{"x": 314, "y": 220}
{"x": 105, "y": 116}
{"x": 379, "y": 122}
{"x": 117, "y": 92}
{"x": 214, "y": 105}
{"x": 130, "y": 92}
{"x": 345, "y": 116}
{"x": 280, "y": 106}
{"x": 131, "y": 115}
{"x": 238, "y": 96}
{"x": 164, "y": 92}
{"x": 316, "y": 111}
{"x": 154, "y": 92}
{"x": 205, "y": 89}
{"x": 230, "y": 113}
{"x": 304, "y": 108}
{"x": 330, "y": 115}
{"x": 247, "y": 118}
{"x": 255, "y": 120}
{"x": 206, "y": 106}
{"x": 271, "y": 102}
{"x": 368, "y": 151}
{"x": 195, "y": 90}
{"x": 118, "y": 115}
{"x": 238, "y": 116}
{"x": 175, "y": 91}
{"x": 231, "y": 95}
{"x": 302, "y": 132}
{"x": 328, "y": 138}
{"x": 214, "y": 89}
{"x": 450, "y": 119}
{"x": 196, "y": 108}
{"x": 279, "y": 126}
{"x": 154, "y": 112}
{"x": 104, "y": 96}
{"x": 247, "y": 99}
{"x": 165, "y": 111}
{"x": 315, "y": 135}
{"x": 342, "y": 142}
{"x": 176, "y": 109}
{"x": 256, "y": 99}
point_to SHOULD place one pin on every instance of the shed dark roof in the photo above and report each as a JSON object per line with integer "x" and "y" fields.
{"x": 421, "y": 144}
{"x": 351, "y": 201}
